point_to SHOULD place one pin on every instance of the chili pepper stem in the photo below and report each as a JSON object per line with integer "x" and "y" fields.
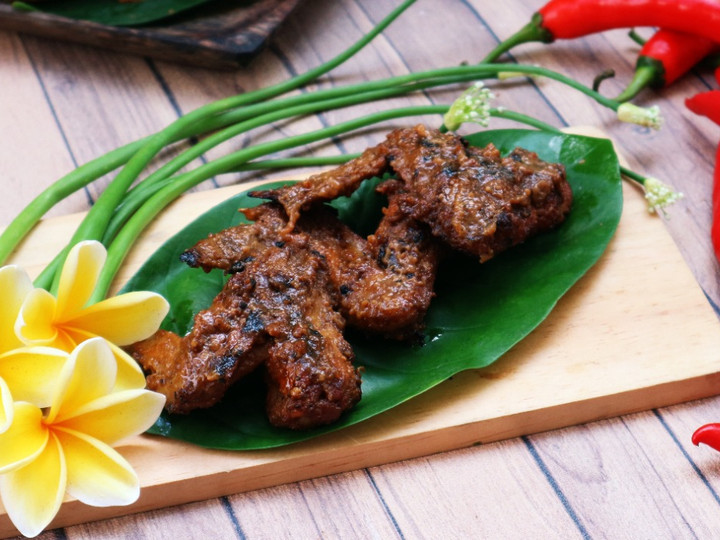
{"x": 644, "y": 76}
{"x": 637, "y": 38}
{"x": 532, "y": 31}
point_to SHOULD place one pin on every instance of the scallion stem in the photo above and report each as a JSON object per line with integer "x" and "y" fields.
{"x": 59, "y": 190}
{"x": 89, "y": 172}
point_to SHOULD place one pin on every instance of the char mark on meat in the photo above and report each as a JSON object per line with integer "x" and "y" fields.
{"x": 278, "y": 304}
{"x": 384, "y": 284}
{"x": 196, "y": 370}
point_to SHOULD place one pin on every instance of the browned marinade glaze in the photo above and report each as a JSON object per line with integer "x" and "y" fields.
{"x": 300, "y": 275}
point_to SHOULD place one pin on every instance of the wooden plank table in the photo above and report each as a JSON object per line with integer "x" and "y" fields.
{"x": 635, "y": 476}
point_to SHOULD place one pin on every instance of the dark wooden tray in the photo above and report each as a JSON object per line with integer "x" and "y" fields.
{"x": 225, "y": 37}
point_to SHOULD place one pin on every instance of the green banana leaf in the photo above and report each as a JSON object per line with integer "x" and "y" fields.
{"x": 113, "y": 12}
{"x": 479, "y": 313}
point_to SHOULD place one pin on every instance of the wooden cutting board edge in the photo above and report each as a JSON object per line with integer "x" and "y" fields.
{"x": 311, "y": 464}
{"x": 168, "y": 469}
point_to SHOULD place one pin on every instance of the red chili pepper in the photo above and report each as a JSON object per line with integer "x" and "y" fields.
{"x": 706, "y": 104}
{"x": 708, "y": 434}
{"x": 715, "y": 228}
{"x": 567, "y": 19}
{"x": 664, "y": 58}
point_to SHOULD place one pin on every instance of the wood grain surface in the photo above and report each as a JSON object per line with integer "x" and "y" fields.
{"x": 225, "y": 36}
{"x": 633, "y": 476}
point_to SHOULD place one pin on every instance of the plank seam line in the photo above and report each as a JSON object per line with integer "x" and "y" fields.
{"x": 301, "y": 489}
{"x": 701, "y": 76}
{"x": 384, "y": 503}
{"x": 55, "y": 116}
{"x": 172, "y": 99}
{"x": 712, "y": 303}
{"x": 425, "y": 92}
{"x": 287, "y": 64}
{"x": 233, "y": 518}
{"x": 661, "y": 478}
{"x": 480, "y": 18}
{"x": 555, "y": 487}
{"x": 685, "y": 453}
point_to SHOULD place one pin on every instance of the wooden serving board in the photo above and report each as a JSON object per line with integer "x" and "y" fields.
{"x": 636, "y": 332}
{"x": 218, "y": 37}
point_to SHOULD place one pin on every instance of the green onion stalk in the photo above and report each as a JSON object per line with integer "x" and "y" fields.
{"x": 174, "y": 187}
{"x": 324, "y": 100}
{"x": 347, "y": 96}
{"x": 157, "y": 179}
{"x": 238, "y": 122}
{"x": 344, "y": 97}
{"x": 96, "y": 221}
{"x": 118, "y": 205}
{"x": 91, "y": 171}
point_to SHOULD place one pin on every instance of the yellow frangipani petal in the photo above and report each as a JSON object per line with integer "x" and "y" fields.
{"x": 117, "y": 416}
{"x": 90, "y": 374}
{"x": 79, "y": 277}
{"x": 6, "y": 406}
{"x": 123, "y": 319}
{"x": 33, "y": 494}
{"x": 15, "y": 285}
{"x": 24, "y": 440}
{"x": 130, "y": 374}
{"x": 60, "y": 390}
{"x": 31, "y": 373}
{"x": 34, "y": 325}
{"x": 97, "y": 474}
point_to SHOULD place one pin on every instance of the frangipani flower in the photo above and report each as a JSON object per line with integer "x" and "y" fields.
{"x": 66, "y": 321}
{"x": 67, "y": 446}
